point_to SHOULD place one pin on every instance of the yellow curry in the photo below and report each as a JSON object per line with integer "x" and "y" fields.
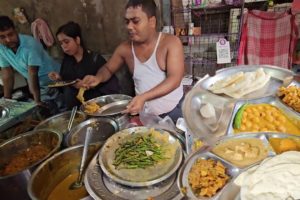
{"x": 242, "y": 152}
{"x": 281, "y": 145}
{"x": 267, "y": 118}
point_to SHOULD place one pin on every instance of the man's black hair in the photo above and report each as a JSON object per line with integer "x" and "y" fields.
{"x": 148, "y": 6}
{"x": 6, "y": 23}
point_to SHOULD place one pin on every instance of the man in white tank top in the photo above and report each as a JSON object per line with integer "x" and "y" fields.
{"x": 155, "y": 59}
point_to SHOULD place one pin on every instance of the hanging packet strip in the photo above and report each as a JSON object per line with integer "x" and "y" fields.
{"x": 223, "y": 51}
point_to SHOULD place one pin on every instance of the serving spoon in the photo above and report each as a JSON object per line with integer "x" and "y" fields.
{"x": 73, "y": 114}
{"x": 78, "y": 183}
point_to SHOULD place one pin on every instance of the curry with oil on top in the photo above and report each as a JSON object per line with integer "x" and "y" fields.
{"x": 63, "y": 191}
{"x": 267, "y": 118}
{"x": 242, "y": 152}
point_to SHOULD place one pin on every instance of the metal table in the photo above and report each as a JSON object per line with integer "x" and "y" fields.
{"x": 18, "y": 111}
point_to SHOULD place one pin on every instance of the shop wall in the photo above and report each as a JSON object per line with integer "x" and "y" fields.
{"x": 101, "y": 20}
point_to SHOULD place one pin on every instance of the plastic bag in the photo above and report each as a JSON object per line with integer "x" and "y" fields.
{"x": 149, "y": 119}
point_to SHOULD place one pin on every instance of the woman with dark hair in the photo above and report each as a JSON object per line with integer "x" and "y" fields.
{"x": 77, "y": 63}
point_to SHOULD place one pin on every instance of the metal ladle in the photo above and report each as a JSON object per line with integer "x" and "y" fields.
{"x": 79, "y": 182}
{"x": 73, "y": 114}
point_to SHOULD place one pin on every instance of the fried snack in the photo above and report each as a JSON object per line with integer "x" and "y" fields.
{"x": 206, "y": 177}
{"x": 291, "y": 96}
{"x": 80, "y": 95}
{"x": 91, "y": 107}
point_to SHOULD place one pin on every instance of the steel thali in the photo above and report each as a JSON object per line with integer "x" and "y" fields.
{"x": 230, "y": 191}
{"x": 277, "y": 76}
{"x": 151, "y": 175}
{"x": 110, "y": 105}
{"x": 200, "y": 94}
{"x": 101, "y": 186}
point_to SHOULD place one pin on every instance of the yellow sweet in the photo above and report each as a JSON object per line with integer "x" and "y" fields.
{"x": 281, "y": 145}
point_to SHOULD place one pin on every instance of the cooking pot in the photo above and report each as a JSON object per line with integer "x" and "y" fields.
{"x": 102, "y": 128}
{"x": 57, "y": 168}
{"x": 59, "y": 122}
{"x": 14, "y": 185}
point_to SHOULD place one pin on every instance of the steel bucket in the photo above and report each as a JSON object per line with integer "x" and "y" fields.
{"x": 14, "y": 185}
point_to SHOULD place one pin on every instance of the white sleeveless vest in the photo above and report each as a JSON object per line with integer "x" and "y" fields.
{"x": 146, "y": 76}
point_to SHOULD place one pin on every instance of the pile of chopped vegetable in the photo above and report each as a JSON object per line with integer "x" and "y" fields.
{"x": 139, "y": 152}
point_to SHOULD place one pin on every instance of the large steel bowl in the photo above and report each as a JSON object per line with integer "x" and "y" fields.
{"x": 55, "y": 169}
{"x": 103, "y": 128}
{"x": 59, "y": 122}
{"x": 14, "y": 186}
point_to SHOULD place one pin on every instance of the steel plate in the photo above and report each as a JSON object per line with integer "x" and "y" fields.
{"x": 109, "y": 105}
{"x": 162, "y": 172}
{"x": 269, "y": 100}
{"x": 277, "y": 76}
{"x": 294, "y": 83}
{"x": 101, "y": 187}
{"x": 61, "y": 83}
{"x": 194, "y": 120}
{"x": 182, "y": 179}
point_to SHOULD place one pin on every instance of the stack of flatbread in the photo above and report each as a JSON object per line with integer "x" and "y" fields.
{"x": 241, "y": 83}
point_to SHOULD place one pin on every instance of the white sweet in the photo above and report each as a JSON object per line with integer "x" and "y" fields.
{"x": 208, "y": 111}
{"x": 275, "y": 178}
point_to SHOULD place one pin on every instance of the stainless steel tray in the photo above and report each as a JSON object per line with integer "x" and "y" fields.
{"x": 109, "y": 105}
{"x": 106, "y": 156}
{"x": 194, "y": 120}
{"x": 100, "y": 186}
{"x": 269, "y": 100}
{"x": 182, "y": 179}
{"x": 277, "y": 76}
{"x": 229, "y": 191}
{"x": 232, "y": 191}
{"x": 288, "y": 107}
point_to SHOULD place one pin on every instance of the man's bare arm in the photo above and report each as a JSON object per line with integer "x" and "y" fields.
{"x": 34, "y": 85}
{"x": 107, "y": 70}
{"x": 8, "y": 79}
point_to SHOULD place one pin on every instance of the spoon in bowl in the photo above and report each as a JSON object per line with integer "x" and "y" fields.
{"x": 79, "y": 182}
{"x": 73, "y": 114}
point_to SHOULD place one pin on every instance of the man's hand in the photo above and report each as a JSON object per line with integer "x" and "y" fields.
{"x": 89, "y": 81}
{"x": 54, "y": 76}
{"x": 136, "y": 105}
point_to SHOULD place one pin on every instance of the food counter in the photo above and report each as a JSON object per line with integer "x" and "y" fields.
{"x": 14, "y": 112}
{"x": 233, "y": 133}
